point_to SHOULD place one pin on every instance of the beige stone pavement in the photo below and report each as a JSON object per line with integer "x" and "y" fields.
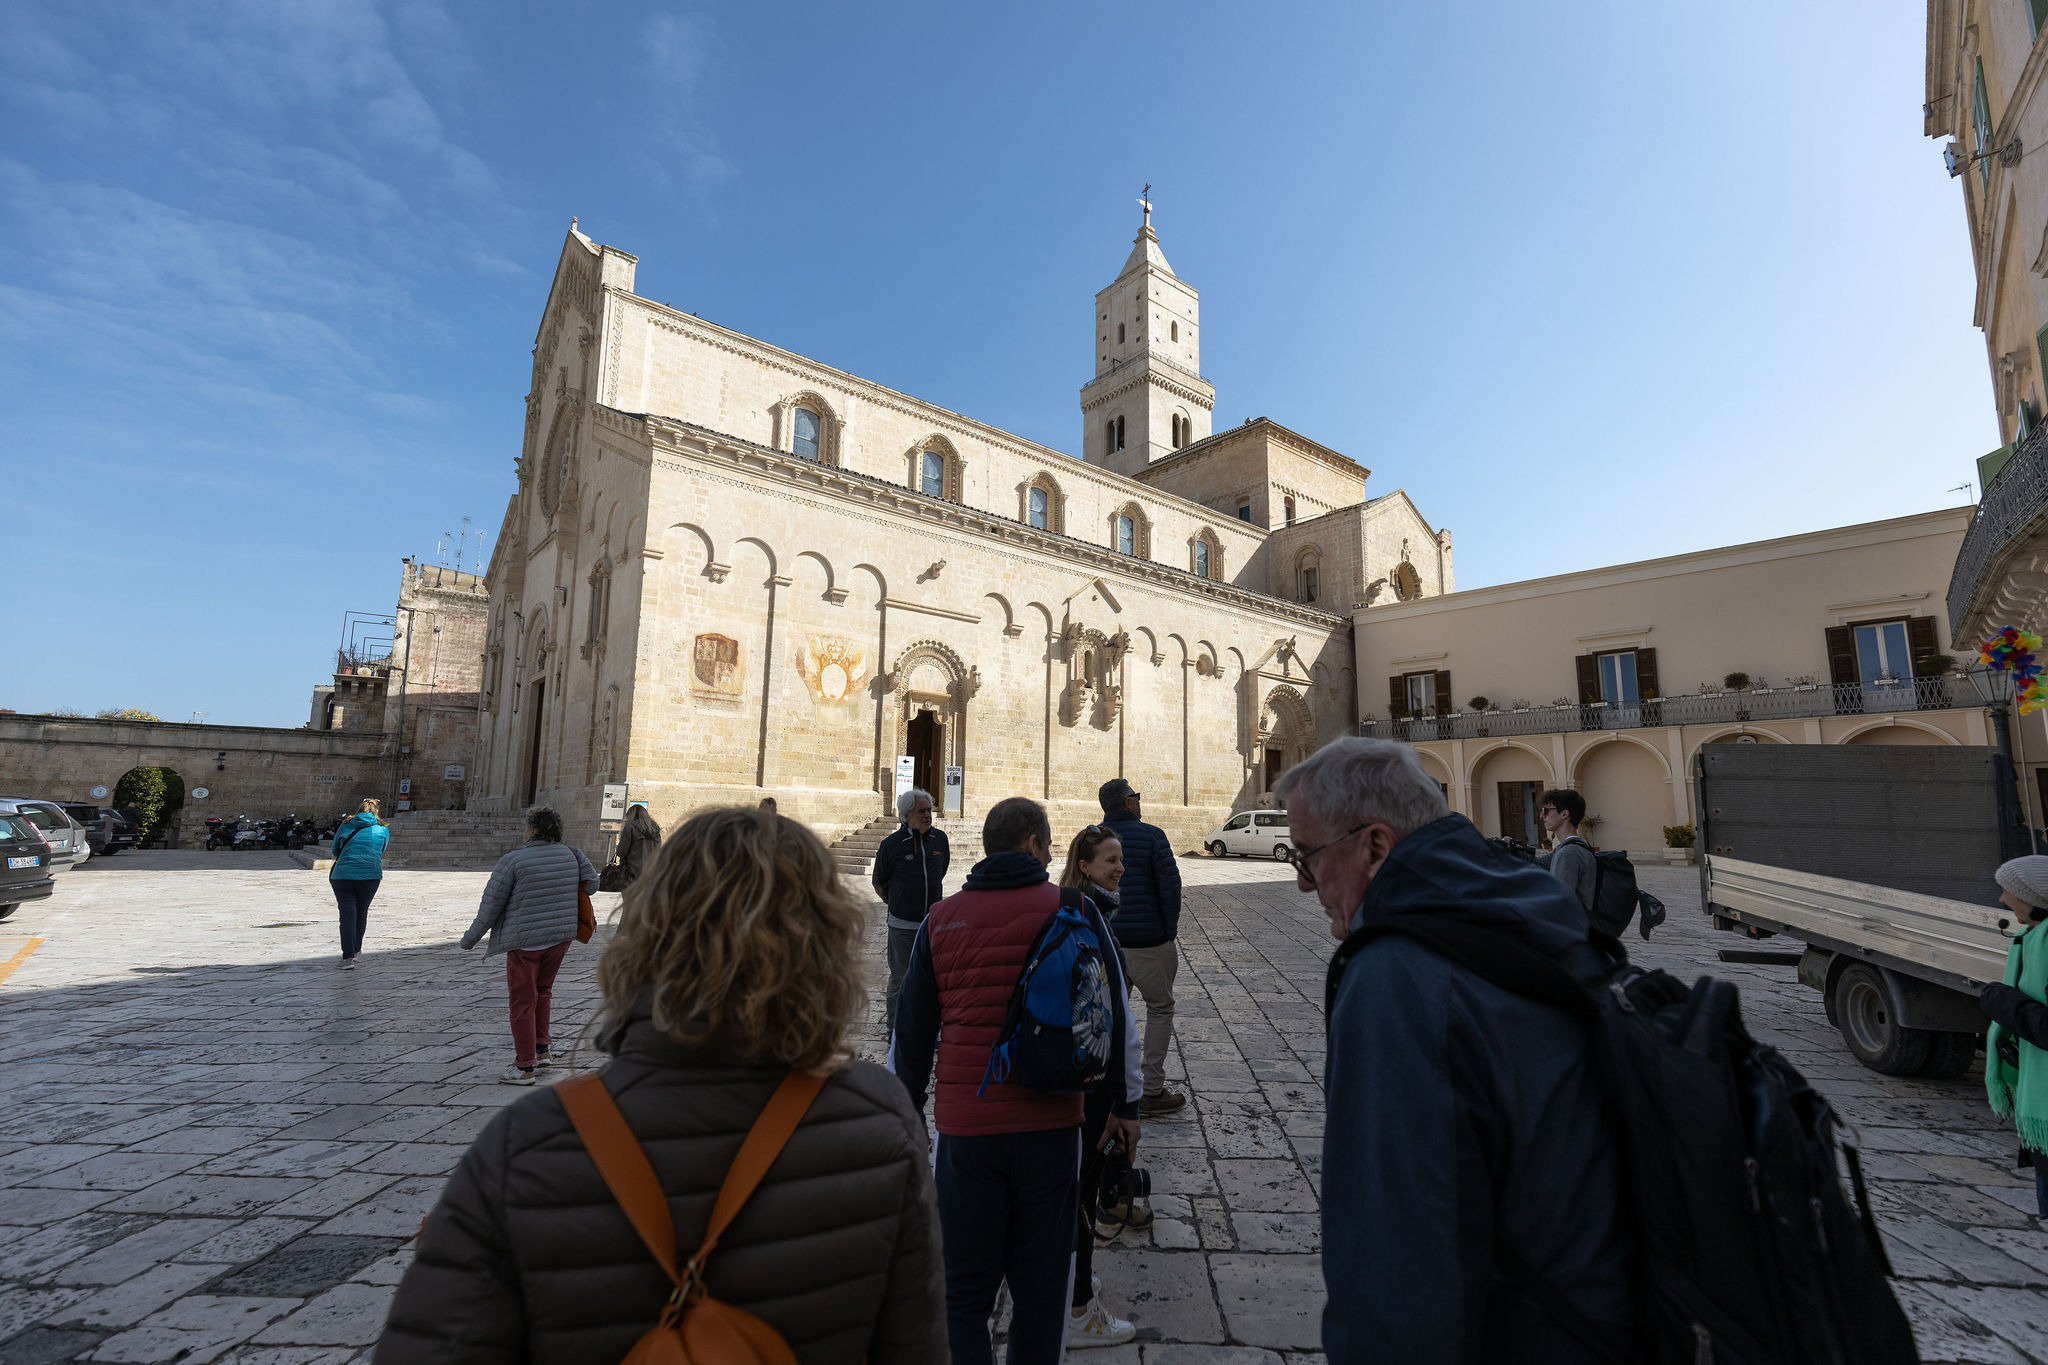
{"x": 213, "y": 1145}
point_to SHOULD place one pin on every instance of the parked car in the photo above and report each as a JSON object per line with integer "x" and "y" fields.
{"x": 24, "y": 864}
{"x": 1251, "y": 834}
{"x": 64, "y": 835}
{"x": 105, "y": 832}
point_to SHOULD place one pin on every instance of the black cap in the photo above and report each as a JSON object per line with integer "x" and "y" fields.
{"x": 1115, "y": 792}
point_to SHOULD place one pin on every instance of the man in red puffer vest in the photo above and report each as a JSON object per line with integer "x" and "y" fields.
{"x": 1008, "y": 1167}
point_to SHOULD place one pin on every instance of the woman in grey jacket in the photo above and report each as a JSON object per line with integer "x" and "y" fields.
{"x": 529, "y": 910}
{"x": 736, "y": 959}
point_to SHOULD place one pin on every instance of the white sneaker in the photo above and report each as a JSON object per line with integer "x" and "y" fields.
{"x": 514, "y": 1076}
{"x": 348, "y": 964}
{"x": 1097, "y": 1327}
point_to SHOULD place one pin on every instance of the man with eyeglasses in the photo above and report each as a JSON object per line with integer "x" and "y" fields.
{"x": 1468, "y": 1173}
{"x": 1147, "y": 924}
{"x": 910, "y": 877}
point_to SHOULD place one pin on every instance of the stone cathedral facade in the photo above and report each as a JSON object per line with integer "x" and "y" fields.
{"x": 730, "y": 571}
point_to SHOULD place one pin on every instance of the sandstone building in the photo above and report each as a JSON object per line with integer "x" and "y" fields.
{"x": 731, "y": 571}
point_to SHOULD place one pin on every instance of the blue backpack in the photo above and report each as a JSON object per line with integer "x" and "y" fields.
{"x": 1056, "y": 1033}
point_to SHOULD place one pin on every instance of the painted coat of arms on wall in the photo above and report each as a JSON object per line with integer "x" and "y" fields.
{"x": 832, "y": 669}
{"x": 715, "y": 666}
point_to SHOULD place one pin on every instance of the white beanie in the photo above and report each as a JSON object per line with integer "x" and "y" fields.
{"x": 2026, "y": 878}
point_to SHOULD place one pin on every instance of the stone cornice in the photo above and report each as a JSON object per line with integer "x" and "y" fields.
{"x": 1060, "y": 464}
{"x": 1293, "y": 441}
{"x": 683, "y": 439}
{"x": 1143, "y": 375}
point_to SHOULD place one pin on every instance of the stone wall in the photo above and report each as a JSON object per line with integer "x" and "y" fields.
{"x": 245, "y": 769}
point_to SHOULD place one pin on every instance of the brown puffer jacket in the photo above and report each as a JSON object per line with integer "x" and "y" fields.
{"x": 527, "y": 1257}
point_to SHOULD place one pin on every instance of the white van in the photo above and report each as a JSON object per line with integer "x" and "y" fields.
{"x": 1252, "y": 833}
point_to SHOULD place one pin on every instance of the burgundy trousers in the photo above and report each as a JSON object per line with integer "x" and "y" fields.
{"x": 530, "y": 982}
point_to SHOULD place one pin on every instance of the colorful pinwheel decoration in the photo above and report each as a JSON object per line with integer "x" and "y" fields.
{"x": 2018, "y": 652}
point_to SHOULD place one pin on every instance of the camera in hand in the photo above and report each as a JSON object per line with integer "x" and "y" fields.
{"x": 1121, "y": 1190}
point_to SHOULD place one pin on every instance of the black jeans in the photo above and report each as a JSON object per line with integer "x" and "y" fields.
{"x": 352, "y": 896}
{"x": 1007, "y": 1211}
{"x": 1095, "y": 1120}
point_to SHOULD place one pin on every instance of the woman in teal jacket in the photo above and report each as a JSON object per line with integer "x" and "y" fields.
{"x": 2016, "y": 1045}
{"x": 358, "y": 870}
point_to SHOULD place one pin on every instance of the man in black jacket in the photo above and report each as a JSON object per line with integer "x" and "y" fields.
{"x": 1464, "y": 1123}
{"x": 910, "y": 877}
{"x": 1147, "y": 924}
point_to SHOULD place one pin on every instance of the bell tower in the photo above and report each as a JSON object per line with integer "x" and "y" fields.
{"x": 1148, "y": 398}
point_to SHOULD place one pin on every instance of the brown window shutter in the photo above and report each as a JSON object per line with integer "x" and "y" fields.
{"x": 1443, "y": 692}
{"x": 1842, "y": 670}
{"x": 1920, "y": 640}
{"x": 1646, "y": 674}
{"x": 1397, "y": 694}
{"x": 1589, "y": 679}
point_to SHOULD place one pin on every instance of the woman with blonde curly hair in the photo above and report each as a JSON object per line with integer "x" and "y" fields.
{"x": 734, "y": 977}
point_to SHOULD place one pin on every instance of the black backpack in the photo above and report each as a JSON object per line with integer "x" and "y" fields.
{"x": 1616, "y": 896}
{"x": 1748, "y": 1250}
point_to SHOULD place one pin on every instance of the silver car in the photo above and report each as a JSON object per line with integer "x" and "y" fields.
{"x": 65, "y": 836}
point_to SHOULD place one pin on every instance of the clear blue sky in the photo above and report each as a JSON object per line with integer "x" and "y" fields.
{"x": 1592, "y": 282}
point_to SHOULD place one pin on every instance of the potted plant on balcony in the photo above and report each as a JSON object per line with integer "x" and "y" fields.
{"x": 1933, "y": 668}
{"x": 1397, "y": 717}
{"x": 1479, "y": 707}
{"x": 1737, "y": 682}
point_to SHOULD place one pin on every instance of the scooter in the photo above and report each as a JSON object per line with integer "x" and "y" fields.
{"x": 299, "y": 832}
{"x": 248, "y": 834}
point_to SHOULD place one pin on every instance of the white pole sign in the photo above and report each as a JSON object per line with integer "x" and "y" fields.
{"x": 906, "y": 773}
{"x": 953, "y": 791}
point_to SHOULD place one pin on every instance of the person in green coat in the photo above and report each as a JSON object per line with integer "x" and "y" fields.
{"x": 2016, "y": 1045}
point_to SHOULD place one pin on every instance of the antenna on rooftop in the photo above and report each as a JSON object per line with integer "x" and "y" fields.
{"x": 1967, "y": 489}
{"x": 462, "y": 545}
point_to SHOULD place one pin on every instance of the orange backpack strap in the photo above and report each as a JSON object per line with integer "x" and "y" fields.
{"x": 623, "y": 1164}
{"x": 620, "y": 1160}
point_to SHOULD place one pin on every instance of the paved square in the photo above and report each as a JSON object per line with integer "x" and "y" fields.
{"x": 214, "y": 1145}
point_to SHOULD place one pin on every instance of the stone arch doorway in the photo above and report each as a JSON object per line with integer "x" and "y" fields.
{"x": 932, "y": 688}
{"x": 1287, "y": 735}
{"x": 155, "y": 794}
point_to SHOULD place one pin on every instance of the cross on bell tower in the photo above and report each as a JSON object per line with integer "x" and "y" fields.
{"x": 1148, "y": 398}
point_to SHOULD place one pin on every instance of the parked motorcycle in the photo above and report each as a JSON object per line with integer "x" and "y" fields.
{"x": 299, "y": 831}
{"x": 219, "y": 833}
{"x": 248, "y": 833}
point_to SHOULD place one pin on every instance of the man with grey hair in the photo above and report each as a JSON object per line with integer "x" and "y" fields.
{"x": 910, "y": 877}
{"x": 1469, "y": 1175}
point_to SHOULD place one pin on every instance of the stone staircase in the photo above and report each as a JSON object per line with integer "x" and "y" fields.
{"x": 453, "y": 838}
{"x": 855, "y": 854}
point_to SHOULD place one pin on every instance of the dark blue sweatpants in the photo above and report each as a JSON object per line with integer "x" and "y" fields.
{"x": 1007, "y": 1209}
{"x": 352, "y": 897}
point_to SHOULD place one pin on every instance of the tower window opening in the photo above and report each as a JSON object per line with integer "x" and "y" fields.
{"x": 1287, "y": 510}
{"x": 1119, "y": 334}
{"x": 1174, "y": 329}
{"x": 1117, "y": 438}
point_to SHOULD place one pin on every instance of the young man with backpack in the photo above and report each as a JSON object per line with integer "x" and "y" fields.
{"x": 1008, "y": 1155}
{"x": 1570, "y": 859}
{"x": 1537, "y": 1152}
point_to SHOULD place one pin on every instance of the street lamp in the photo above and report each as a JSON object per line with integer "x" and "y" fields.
{"x": 1994, "y": 687}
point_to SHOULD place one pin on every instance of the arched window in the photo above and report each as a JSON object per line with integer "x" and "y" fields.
{"x": 1126, "y": 534}
{"x": 1130, "y": 532}
{"x": 1287, "y": 505}
{"x": 1038, "y": 508}
{"x": 931, "y": 473}
{"x": 1174, "y": 329}
{"x": 1176, "y": 431}
{"x": 1201, "y": 559}
{"x": 1109, "y": 434}
{"x": 1308, "y": 572}
{"x": 806, "y": 434}
{"x": 1119, "y": 433}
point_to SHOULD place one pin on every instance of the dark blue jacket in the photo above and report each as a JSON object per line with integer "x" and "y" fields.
{"x": 1150, "y": 913}
{"x": 1461, "y": 1117}
{"x": 910, "y": 872}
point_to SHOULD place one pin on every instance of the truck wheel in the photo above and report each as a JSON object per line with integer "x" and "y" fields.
{"x": 1950, "y": 1055}
{"x": 1870, "y": 1026}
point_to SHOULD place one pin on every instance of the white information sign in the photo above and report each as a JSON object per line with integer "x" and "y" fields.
{"x": 613, "y": 805}
{"x": 405, "y": 786}
{"x": 953, "y": 776}
{"x": 452, "y": 773}
{"x": 98, "y": 793}
{"x": 906, "y": 773}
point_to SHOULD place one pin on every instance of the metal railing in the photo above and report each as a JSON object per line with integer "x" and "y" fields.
{"x": 2016, "y": 500}
{"x": 1949, "y": 691}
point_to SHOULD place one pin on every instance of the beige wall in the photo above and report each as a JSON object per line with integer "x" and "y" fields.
{"x": 2005, "y": 207}
{"x": 1761, "y": 608}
